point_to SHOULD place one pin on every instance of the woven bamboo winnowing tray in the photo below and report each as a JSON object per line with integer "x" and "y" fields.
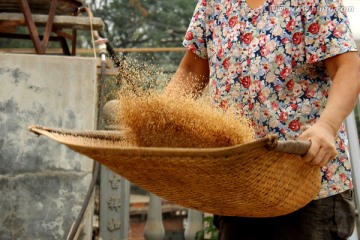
{"x": 263, "y": 178}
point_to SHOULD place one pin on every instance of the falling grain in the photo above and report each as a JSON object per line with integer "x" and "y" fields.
{"x": 158, "y": 120}
{"x": 150, "y": 118}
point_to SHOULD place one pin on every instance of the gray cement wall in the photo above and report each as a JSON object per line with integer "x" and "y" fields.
{"x": 42, "y": 183}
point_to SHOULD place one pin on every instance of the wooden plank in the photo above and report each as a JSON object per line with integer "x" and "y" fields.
{"x": 60, "y": 21}
{"x": 8, "y": 26}
{"x": 90, "y": 50}
{"x": 63, "y": 7}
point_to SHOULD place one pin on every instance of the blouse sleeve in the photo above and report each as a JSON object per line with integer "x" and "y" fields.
{"x": 327, "y": 30}
{"x": 195, "y": 38}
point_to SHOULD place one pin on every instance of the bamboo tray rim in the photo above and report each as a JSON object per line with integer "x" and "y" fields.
{"x": 271, "y": 142}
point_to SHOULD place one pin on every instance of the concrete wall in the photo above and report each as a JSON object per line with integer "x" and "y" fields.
{"x": 42, "y": 183}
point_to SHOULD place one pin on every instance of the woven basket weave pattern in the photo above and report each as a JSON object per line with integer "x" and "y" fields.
{"x": 247, "y": 180}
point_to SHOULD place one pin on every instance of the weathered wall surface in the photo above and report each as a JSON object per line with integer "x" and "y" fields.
{"x": 42, "y": 183}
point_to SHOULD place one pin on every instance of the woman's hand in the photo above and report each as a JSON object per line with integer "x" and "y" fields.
{"x": 322, "y": 137}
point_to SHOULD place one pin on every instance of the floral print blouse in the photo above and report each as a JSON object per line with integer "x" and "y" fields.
{"x": 267, "y": 63}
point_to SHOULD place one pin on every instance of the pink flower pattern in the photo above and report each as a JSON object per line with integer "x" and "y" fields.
{"x": 266, "y": 63}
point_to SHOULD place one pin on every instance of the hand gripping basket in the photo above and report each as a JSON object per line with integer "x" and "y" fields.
{"x": 264, "y": 178}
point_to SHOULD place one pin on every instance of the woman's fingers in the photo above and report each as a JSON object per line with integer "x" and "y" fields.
{"x": 327, "y": 158}
{"x": 320, "y": 152}
{"x": 312, "y": 152}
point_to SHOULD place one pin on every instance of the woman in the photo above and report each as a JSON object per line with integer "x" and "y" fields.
{"x": 292, "y": 68}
